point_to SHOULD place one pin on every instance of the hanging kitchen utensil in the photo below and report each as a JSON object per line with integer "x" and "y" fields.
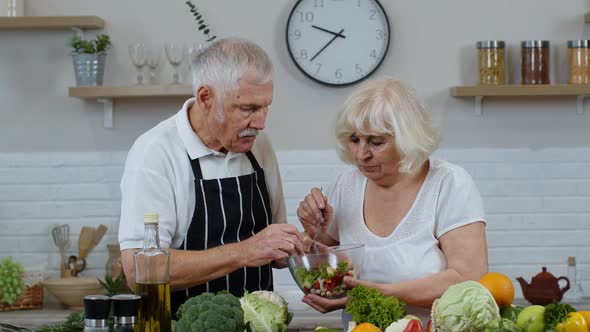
{"x": 100, "y": 231}
{"x": 86, "y": 241}
{"x": 61, "y": 238}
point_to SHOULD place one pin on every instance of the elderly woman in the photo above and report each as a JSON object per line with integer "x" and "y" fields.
{"x": 421, "y": 219}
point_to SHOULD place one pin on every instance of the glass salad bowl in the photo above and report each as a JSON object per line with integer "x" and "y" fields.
{"x": 322, "y": 273}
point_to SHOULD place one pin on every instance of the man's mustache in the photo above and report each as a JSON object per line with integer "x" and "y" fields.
{"x": 249, "y": 132}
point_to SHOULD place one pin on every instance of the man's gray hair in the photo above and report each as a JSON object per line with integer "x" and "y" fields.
{"x": 222, "y": 64}
{"x": 388, "y": 107}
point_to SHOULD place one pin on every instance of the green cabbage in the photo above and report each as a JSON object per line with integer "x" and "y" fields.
{"x": 465, "y": 307}
{"x": 265, "y": 311}
{"x": 502, "y": 325}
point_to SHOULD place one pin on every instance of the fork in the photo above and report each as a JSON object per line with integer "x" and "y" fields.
{"x": 314, "y": 247}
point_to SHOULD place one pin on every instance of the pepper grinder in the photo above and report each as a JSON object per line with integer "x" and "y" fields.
{"x": 96, "y": 313}
{"x": 125, "y": 309}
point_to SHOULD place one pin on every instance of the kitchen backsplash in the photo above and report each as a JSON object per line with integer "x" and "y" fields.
{"x": 537, "y": 204}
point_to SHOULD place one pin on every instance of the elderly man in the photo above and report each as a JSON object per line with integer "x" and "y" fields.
{"x": 214, "y": 180}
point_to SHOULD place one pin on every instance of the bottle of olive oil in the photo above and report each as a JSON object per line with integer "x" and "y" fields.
{"x": 152, "y": 280}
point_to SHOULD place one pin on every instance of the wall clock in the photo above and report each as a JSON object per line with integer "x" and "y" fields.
{"x": 338, "y": 42}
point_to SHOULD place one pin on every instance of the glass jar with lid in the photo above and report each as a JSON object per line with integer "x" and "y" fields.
{"x": 490, "y": 62}
{"x": 578, "y": 52}
{"x": 535, "y": 62}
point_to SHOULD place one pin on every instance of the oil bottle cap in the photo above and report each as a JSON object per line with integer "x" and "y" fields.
{"x": 151, "y": 218}
{"x": 571, "y": 261}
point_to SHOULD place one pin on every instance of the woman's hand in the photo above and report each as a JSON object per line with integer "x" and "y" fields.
{"x": 323, "y": 304}
{"x": 314, "y": 211}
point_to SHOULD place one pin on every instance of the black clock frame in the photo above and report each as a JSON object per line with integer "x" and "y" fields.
{"x": 337, "y": 84}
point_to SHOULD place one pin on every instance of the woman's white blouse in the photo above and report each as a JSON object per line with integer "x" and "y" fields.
{"x": 447, "y": 199}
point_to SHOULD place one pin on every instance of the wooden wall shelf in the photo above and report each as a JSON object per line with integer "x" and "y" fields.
{"x": 131, "y": 91}
{"x": 106, "y": 95}
{"x": 51, "y": 22}
{"x": 521, "y": 90}
{"x": 580, "y": 91}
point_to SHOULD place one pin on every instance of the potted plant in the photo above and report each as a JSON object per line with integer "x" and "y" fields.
{"x": 89, "y": 59}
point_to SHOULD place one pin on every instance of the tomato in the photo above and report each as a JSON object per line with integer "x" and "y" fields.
{"x": 329, "y": 285}
{"x": 414, "y": 325}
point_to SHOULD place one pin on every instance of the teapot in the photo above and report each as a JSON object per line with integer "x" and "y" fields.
{"x": 544, "y": 288}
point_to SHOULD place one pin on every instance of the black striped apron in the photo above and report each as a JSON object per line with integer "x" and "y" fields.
{"x": 228, "y": 210}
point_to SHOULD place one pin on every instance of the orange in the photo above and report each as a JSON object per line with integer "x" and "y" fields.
{"x": 500, "y": 286}
{"x": 586, "y": 315}
{"x": 366, "y": 327}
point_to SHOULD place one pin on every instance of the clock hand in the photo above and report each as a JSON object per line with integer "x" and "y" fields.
{"x": 330, "y": 42}
{"x": 328, "y": 31}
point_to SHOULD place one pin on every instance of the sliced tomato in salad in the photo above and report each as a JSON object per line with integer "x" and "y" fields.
{"x": 325, "y": 280}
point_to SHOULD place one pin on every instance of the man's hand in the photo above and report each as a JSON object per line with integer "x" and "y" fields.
{"x": 275, "y": 242}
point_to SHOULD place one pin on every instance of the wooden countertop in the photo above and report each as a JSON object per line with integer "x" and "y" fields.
{"x": 303, "y": 320}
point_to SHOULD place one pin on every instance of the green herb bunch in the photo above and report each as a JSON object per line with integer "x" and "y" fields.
{"x": 114, "y": 286}
{"x": 11, "y": 280}
{"x": 555, "y": 313}
{"x": 99, "y": 45}
{"x": 200, "y": 21}
{"x": 74, "y": 323}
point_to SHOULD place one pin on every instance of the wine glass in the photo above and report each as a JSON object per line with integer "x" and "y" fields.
{"x": 175, "y": 54}
{"x": 152, "y": 61}
{"x": 137, "y": 52}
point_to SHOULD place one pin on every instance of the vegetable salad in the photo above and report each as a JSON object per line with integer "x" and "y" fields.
{"x": 324, "y": 280}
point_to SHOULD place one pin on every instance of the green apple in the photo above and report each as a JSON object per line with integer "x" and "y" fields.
{"x": 531, "y": 319}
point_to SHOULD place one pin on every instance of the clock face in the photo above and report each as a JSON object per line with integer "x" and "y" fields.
{"x": 338, "y": 42}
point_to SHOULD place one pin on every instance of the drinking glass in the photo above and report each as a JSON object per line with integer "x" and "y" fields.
{"x": 137, "y": 52}
{"x": 153, "y": 60}
{"x": 175, "y": 54}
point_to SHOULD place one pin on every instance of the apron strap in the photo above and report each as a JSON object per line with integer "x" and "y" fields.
{"x": 253, "y": 161}
{"x": 196, "y": 166}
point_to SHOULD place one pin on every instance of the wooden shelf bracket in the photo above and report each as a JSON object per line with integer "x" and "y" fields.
{"x": 580, "y": 104}
{"x": 108, "y": 111}
{"x": 478, "y": 103}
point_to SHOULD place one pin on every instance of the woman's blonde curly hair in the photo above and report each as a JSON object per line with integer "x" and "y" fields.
{"x": 388, "y": 107}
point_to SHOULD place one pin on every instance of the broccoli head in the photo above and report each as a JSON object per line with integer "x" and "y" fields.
{"x": 209, "y": 312}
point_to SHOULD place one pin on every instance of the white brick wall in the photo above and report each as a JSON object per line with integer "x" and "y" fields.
{"x": 537, "y": 204}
